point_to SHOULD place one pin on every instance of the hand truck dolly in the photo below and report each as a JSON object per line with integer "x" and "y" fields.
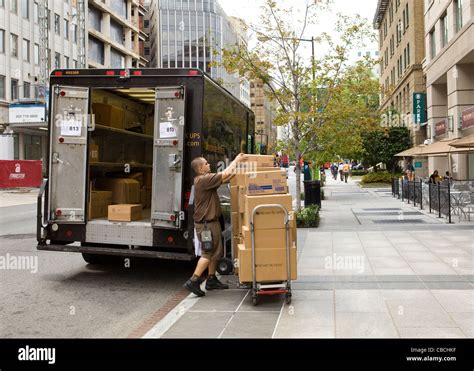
{"x": 273, "y": 288}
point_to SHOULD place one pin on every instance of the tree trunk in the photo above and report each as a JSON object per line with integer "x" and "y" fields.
{"x": 298, "y": 180}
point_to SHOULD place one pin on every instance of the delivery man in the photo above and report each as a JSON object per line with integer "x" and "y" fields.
{"x": 207, "y": 210}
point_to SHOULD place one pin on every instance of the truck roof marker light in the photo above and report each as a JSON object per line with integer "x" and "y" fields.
{"x": 58, "y": 73}
{"x": 137, "y": 73}
{"x": 123, "y": 73}
{"x": 110, "y": 73}
{"x": 193, "y": 73}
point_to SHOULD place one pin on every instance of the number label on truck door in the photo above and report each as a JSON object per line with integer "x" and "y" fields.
{"x": 68, "y": 154}
{"x": 168, "y": 157}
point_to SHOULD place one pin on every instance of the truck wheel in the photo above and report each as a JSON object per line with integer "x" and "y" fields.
{"x": 93, "y": 258}
{"x": 225, "y": 266}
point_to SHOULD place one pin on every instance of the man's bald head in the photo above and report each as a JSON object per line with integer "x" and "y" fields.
{"x": 197, "y": 164}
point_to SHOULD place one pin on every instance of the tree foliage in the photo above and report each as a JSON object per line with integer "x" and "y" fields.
{"x": 321, "y": 112}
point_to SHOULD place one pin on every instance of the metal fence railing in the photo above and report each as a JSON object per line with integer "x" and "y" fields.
{"x": 437, "y": 198}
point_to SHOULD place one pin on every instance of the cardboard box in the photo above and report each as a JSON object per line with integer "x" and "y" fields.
{"x": 261, "y": 161}
{"x": 99, "y": 202}
{"x": 124, "y": 212}
{"x": 270, "y": 264}
{"x": 241, "y": 173}
{"x": 236, "y": 241}
{"x": 108, "y": 115}
{"x": 138, "y": 177}
{"x": 267, "y": 238}
{"x": 268, "y": 182}
{"x": 234, "y": 198}
{"x": 93, "y": 152}
{"x": 124, "y": 190}
{"x": 268, "y": 218}
{"x": 236, "y": 220}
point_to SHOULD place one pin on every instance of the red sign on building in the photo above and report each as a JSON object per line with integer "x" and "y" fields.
{"x": 468, "y": 118}
{"x": 440, "y": 128}
{"x": 16, "y": 173}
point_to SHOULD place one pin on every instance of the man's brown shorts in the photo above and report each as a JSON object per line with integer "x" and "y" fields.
{"x": 216, "y": 231}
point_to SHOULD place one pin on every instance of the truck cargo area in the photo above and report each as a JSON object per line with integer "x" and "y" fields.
{"x": 120, "y": 157}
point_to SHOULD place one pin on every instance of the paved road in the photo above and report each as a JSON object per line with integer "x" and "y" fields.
{"x": 19, "y": 219}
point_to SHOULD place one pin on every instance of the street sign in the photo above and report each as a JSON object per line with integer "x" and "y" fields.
{"x": 26, "y": 113}
{"x": 440, "y": 128}
{"x": 419, "y": 108}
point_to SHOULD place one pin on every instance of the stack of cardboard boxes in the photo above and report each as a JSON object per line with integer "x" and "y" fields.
{"x": 256, "y": 183}
{"x": 121, "y": 199}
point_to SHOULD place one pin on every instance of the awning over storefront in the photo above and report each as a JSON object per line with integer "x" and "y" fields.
{"x": 466, "y": 142}
{"x": 442, "y": 148}
{"x": 412, "y": 152}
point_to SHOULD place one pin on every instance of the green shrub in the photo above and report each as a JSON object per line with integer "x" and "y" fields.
{"x": 308, "y": 217}
{"x": 379, "y": 177}
{"x": 359, "y": 172}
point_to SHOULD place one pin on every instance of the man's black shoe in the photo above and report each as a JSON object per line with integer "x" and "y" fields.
{"x": 213, "y": 283}
{"x": 194, "y": 287}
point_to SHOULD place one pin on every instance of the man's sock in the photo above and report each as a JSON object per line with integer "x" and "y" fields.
{"x": 195, "y": 278}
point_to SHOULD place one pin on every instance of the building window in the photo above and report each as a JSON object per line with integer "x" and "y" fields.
{"x": 66, "y": 62}
{"x": 57, "y": 60}
{"x": 146, "y": 23}
{"x": 14, "y": 45}
{"x": 117, "y": 59}
{"x": 95, "y": 18}
{"x": 407, "y": 17}
{"x": 76, "y": 64}
{"x": 57, "y": 24}
{"x": 116, "y": 32}
{"x": 399, "y": 32}
{"x": 444, "y": 30}
{"x": 26, "y": 50}
{"x": 66, "y": 29}
{"x": 2, "y": 87}
{"x": 14, "y": 89}
{"x": 36, "y": 52}
{"x": 26, "y": 90}
{"x": 385, "y": 28}
{"x": 390, "y": 12}
{"x": 2, "y": 3}
{"x": 120, "y": 7}
{"x": 25, "y": 9}
{"x": 405, "y": 59}
{"x": 96, "y": 50}
{"x": 433, "y": 44}
{"x": 408, "y": 55}
{"x": 458, "y": 13}
{"x": 2, "y": 41}
{"x": 74, "y": 33}
{"x": 14, "y": 6}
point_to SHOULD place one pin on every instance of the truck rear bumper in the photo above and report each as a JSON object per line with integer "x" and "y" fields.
{"x": 136, "y": 253}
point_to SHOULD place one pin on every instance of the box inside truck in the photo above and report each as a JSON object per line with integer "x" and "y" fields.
{"x": 121, "y": 155}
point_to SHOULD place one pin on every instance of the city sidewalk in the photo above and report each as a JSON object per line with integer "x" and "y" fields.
{"x": 18, "y": 196}
{"x": 376, "y": 268}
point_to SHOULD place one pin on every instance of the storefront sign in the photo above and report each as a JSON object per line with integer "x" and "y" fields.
{"x": 440, "y": 128}
{"x": 419, "y": 108}
{"x": 468, "y": 118}
{"x": 20, "y": 173}
{"x": 26, "y": 113}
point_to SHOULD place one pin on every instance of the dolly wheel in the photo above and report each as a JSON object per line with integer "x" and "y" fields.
{"x": 225, "y": 266}
{"x": 255, "y": 300}
{"x": 288, "y": 299}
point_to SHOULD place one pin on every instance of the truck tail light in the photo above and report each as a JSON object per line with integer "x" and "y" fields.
{"x": 69, "y": 233}
{"x": 170, "y": 239}
{"x": 61, "y": 140}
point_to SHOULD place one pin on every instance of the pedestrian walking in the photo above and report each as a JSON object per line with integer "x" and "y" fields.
{"x": 207, "y": 211}
{"x": 346, "y": 168}
{"x": 341, "y": 171}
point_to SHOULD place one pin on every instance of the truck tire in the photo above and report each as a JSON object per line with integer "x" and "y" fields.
{"x": 225, "y": 266}
{"x": 93, "y": 258}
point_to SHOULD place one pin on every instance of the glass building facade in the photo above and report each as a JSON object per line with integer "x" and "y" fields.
{"x": 192, "y": 34}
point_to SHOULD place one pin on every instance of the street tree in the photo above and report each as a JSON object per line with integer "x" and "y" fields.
{"x": 277, "y": 60}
